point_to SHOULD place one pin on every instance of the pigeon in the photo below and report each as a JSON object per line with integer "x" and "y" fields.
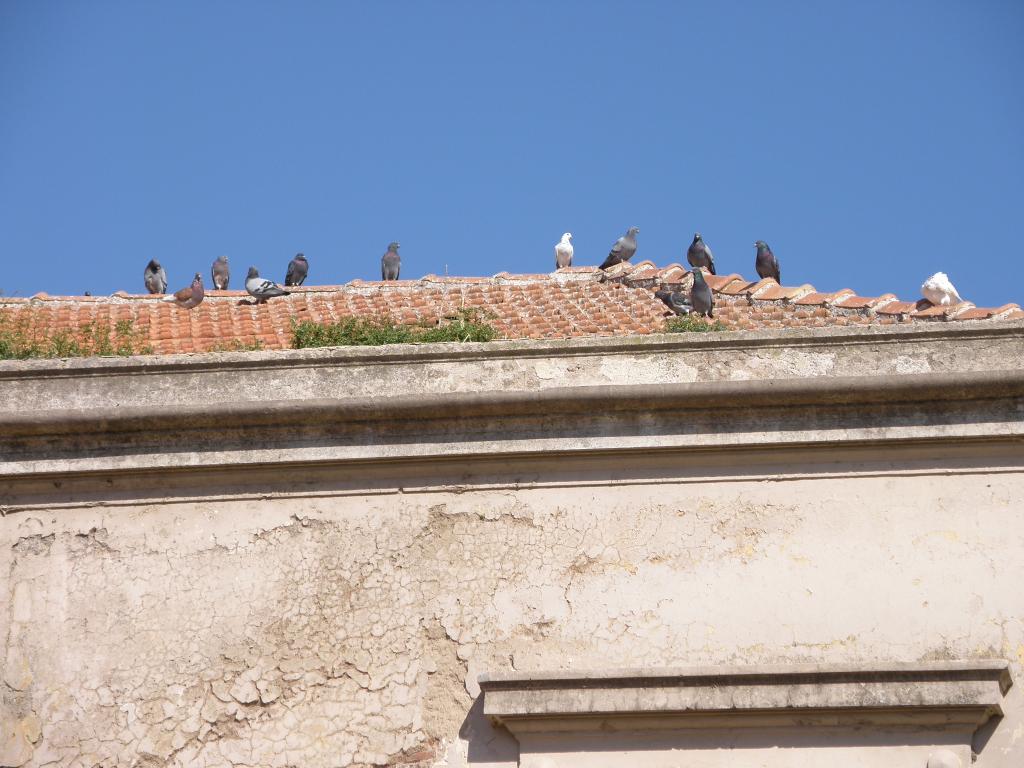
{"x": 262, "y": 289}
{"x": 220, "y": 274}
{"x": 623, "y": 249}
{"x": 939, "y": 291}
{"x": 677, "y": 301}
{"x": 155, "y": 277}
{"x": 563, "y": 252}
{"x": 298, "y": 268}
{"x": 190, "y": 297}
{"x": 699, "y": 255}
{"x": 766, "y": 264}
{"x": 390, "y": 263}
{"x": 701, "y": 298}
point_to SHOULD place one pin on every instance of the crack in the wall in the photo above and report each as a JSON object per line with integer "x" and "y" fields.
{"x": 358, "y": 632}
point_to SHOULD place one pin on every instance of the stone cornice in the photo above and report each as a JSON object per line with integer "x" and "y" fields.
{"x": 608, "y": 399}
{"x": 959, "y": 695}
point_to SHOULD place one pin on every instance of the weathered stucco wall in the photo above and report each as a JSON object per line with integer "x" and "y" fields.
{"x": 193, "y": 607}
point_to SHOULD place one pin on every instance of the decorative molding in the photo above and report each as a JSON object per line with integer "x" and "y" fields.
{"x": 957, "y": 695}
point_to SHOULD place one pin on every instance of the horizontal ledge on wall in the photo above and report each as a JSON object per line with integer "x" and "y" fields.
{"x": 513, "y": 349}
{"x": 955, "y": 695}
{"x": 729, "y": 396}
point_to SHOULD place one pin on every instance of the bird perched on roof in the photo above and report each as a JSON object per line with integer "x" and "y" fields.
{"x": 623, "y": 249}
{"x": 701, "y": 298}
{"x": 677, "y": 301}
{"x": 766, "y": 264}
{"x": 699, "y": 255}
{"x": 298, "y": 268}
{"x": 390, "y": 263}
{"x": 220, "y": 274}
{"x": 940, "y": 291}
{"x": 563, "y": 251}
{"x": 262, "y": 289}
{"x": 190, "y": 297}
{"x": 155, "y": 277}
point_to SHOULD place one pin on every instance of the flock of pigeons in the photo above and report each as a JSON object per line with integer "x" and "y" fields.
{"x": 700, "y": 300}
{"x": 259, "y": 288}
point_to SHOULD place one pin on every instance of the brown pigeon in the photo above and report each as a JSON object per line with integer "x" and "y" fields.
{"x": 190, "y": 297}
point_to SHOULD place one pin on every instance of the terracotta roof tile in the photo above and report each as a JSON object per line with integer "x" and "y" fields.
{"x": 576, "y": 301}
{"x": 897, "y": 308}
{"x": 865, "y": 302}
{"x": 724, "y": 283}
{"x": 1005, "y": 312}
{"x": 824, "y": 299}
{"x": 776, "y": 292}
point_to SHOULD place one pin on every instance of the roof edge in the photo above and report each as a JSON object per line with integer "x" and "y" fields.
{"x": 589, "y": 345}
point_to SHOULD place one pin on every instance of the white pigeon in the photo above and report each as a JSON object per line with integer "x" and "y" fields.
{"x": 563, "y": 251}
{"x": 939, "y": 291}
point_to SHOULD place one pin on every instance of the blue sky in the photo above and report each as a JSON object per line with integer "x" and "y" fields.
{"x": 869, "y": 143}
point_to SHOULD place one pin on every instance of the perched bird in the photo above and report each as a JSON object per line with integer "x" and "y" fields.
{"x": 701, "y": 298}
{"x": 262, "y": 289}
{"x": 766, "y": 264}
{"x": 190, "y": 297}
{"x": 623, "y": 249}
{"x": 298, "y": 268}
{"x": 563, "y": 251}
{"x": 939, "y": 291}
{"x": 677, "y": 301}
{"x": 155, "y": 277}
{"x": 699, "y": 255}
{"x": 390, "y": 263}
{"x": 220, "y": 274}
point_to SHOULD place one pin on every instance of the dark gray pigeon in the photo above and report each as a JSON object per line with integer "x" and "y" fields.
{"x": 298, "y": 268}
{"x": 188, "y": 298}
{"x": 766, "y": 264}
{"x": 390, "y": 263}
{"x": 699, "y": 255}
{"x": 220, "y": 274}
{"x": 155, "y": 277}
{"x": 677, "y": 301}
{"x": 701, "y": 298}
{"x": 262, "y": 289}
{"x": 623, "y": 249}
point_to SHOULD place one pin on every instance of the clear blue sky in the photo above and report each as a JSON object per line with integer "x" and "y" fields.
{"x": 870, "y": 143}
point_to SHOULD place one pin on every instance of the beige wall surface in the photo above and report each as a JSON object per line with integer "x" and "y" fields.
{"x": 331, "y": 612}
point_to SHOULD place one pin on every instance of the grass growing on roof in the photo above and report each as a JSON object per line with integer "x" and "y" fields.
{"x": 467, "y": 325}
{"x": 237, "y": 345}
{"x": 21, "y": 338}
{"x": 692, "y": 324}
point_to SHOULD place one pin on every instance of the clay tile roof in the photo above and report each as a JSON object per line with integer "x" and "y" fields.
{"x": 575, "y": 301}
{"x": 823, "y": 299}
{"x": 865, "y": 302}
{"x": 897, "y": 308}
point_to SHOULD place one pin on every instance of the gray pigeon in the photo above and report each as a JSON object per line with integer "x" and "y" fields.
{"x": 390, "y": 263}
{"x": 190, "y": 297}
{"x": 701, "y": 298}
{"x": 623, "y": 249}
{"x": 766, "y": 264}
{"x": 699, "y": 255}
{"x": 298, "y": 268}
{"x": 677, "y": 301}
{"x": 155, "y": 277}
{"x": 262, "y": 289}
{"x": 220, "y": 274}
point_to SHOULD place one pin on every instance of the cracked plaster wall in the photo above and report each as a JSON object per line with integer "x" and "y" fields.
{"x": 349, "y": 630}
